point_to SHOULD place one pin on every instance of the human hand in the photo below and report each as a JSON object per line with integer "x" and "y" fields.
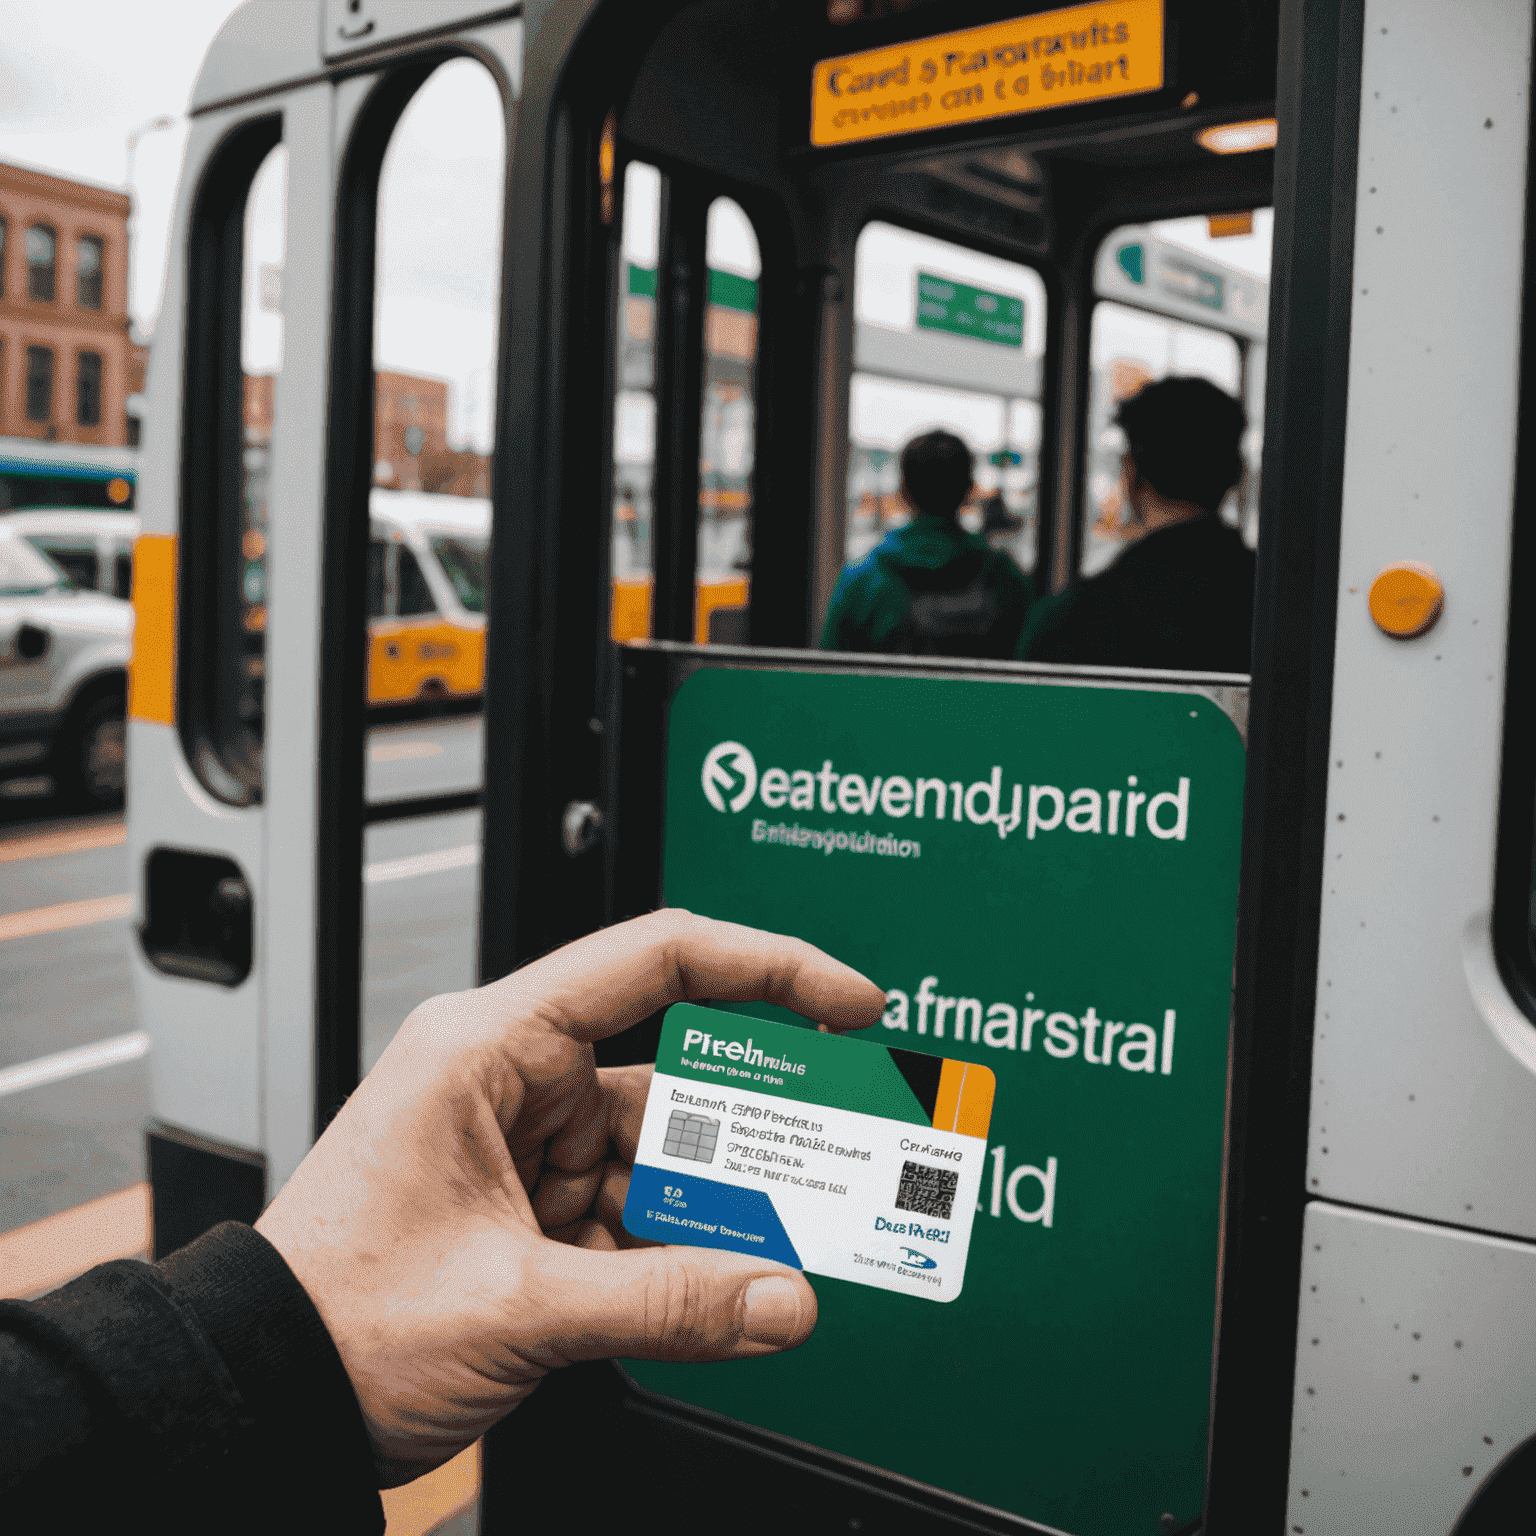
{"x": 458, "y": 1225}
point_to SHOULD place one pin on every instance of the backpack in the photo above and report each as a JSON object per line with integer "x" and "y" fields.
{"x": 954, "y": 611}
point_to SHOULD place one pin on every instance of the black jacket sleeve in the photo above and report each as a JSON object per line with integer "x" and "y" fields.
{"x": 200, "y": 1393}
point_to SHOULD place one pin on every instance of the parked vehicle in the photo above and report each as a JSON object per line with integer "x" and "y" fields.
{"x": 63, "y": 676}
{"x": 426, "y": 596}
{"x": 94, "y": 548}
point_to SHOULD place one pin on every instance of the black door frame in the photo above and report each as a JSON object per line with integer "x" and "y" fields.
{"x": 545, "y": 708}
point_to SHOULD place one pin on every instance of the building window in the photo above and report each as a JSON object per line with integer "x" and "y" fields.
{"x": 5, "y": 229}
{"x": 88, "y": 390}
{"x": 88, "y": 273}
{"x": 39, "y": 384}
{"x": 42, "y": 260}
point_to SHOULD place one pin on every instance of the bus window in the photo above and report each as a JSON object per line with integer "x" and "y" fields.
{"x": 377, "y": 554}
{"x": 1198, "y": 306}
{"x": 945, "y": 336}
{"x": 727, "y": 439}
{"x": 436, "y": 305}
{"x": 634, "y": 408}
{"x": 234, "y": 353}
{"x": 122, "y": 575}
{"x": 415, "y": 595}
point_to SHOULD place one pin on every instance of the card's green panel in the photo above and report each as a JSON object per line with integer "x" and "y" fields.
{"x": 1070, "y": 1383}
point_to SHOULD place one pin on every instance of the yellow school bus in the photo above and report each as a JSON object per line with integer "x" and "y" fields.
{"x": 426, "y": 596}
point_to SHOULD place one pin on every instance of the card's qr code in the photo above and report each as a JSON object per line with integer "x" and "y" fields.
{"x": 692, "y": 1136}
{"x": 927, "y": 1191}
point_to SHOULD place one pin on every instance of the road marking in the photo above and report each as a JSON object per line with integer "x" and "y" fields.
{"x": 84, "y": 1058}
{"x": 49, "y": 845}
{"x": 415, "y": 1508}
{"x": 422, "y": 864}
{"x": 44, "y": 1254}
{"x": 402, "y": 751}
{"x": 68, "y": 914}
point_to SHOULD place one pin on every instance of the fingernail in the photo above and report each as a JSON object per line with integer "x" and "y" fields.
{"x": 770, "y": 1310}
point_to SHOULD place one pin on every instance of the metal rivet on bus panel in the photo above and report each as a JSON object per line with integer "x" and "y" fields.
{"x": 1406, "y": 598}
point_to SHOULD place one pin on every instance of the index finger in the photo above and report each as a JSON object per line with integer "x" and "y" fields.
{"x": 603, "y": 983}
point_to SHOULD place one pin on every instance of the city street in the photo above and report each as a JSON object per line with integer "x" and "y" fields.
{"x": 71, "y": 1126}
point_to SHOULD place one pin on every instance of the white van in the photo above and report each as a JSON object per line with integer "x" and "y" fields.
{"x": 93, "y": 547}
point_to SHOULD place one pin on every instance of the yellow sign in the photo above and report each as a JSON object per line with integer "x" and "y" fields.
{"x": 1056, "y": 59}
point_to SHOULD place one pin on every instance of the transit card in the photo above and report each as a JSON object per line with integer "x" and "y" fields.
{"x": 843, "y": 1157}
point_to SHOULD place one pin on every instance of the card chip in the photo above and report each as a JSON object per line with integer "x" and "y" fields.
{"x": 926, "y": 1191}
{"x": 692, "y": 1136}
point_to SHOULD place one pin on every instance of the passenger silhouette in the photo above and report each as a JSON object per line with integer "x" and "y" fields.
{"x": 1180, "y": 595}
{"x": 931, "y": 588}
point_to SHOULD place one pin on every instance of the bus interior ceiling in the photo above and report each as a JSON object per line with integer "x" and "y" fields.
{"x": 718, "y": 103}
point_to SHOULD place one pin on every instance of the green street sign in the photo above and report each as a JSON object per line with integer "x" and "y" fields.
{"x": 945, "y": 305}
{"x": 1044, "y": 879}
{"x": 726, "y": 289}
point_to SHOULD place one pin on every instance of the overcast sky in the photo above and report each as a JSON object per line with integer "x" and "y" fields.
{"x": 77, "y": 78}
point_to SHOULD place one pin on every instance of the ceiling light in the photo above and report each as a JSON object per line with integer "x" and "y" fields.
{"x": 1238, "y": 138}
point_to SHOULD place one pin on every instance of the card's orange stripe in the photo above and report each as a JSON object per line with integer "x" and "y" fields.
{"x": 964, "y": 1102}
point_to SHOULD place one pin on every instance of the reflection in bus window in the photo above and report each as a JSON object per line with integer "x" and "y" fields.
{"x": 634, "y": 407}
{"x": 1174, "y": 300}
{"x": 945, "y": 336}
{"x": 464, "y": 564}
{"x": 727, "y": 439}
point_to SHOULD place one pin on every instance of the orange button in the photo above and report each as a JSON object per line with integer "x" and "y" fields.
{"x": 1406, "y": 599}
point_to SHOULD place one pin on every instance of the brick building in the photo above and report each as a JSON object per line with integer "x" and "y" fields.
{"x": 411, "y": 451}
{"x": 410, "y": 438}
{"x": 64, "y": 346}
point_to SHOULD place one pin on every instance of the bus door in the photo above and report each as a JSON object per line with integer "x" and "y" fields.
{"x": 308, "y": 873}
{"x": 932, "y": 194}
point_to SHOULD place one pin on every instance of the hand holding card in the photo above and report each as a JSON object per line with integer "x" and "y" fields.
{"x": 843, "y": 1157}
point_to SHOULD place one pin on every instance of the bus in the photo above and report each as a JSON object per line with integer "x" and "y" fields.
{"x": 426, "y": 596}
{"x": 37, "y": 473}
{"x": 711, "y": 264}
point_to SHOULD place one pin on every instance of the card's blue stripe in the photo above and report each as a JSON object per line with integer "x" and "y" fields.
{"x": 703, "y": 1213}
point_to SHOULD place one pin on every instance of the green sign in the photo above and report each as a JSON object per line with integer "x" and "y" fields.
{"x": 726, "y": 289}
{"x": 1044, "y": 879}
{"x": 1132, "y": 262}
{"x": 945, "y": 305}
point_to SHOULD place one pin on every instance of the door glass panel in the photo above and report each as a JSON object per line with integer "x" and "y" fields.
{"x": 727, "y": 440}
{"x": 261, "y": 361}
{"x": 634, "y": 406}
{"x": 234, "y": 353}
{"x": 435, "y": 344}
{"x": 945, "y": 336}
{"x": 1198, "y": 306}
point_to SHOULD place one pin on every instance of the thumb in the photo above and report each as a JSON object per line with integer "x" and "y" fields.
{"x": 678, "y": 1304}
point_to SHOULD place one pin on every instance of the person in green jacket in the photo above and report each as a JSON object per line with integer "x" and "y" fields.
{"x": 931, "y": 588}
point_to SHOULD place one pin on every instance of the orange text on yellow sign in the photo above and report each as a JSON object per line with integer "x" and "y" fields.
{"x": 1057, "y": 59}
